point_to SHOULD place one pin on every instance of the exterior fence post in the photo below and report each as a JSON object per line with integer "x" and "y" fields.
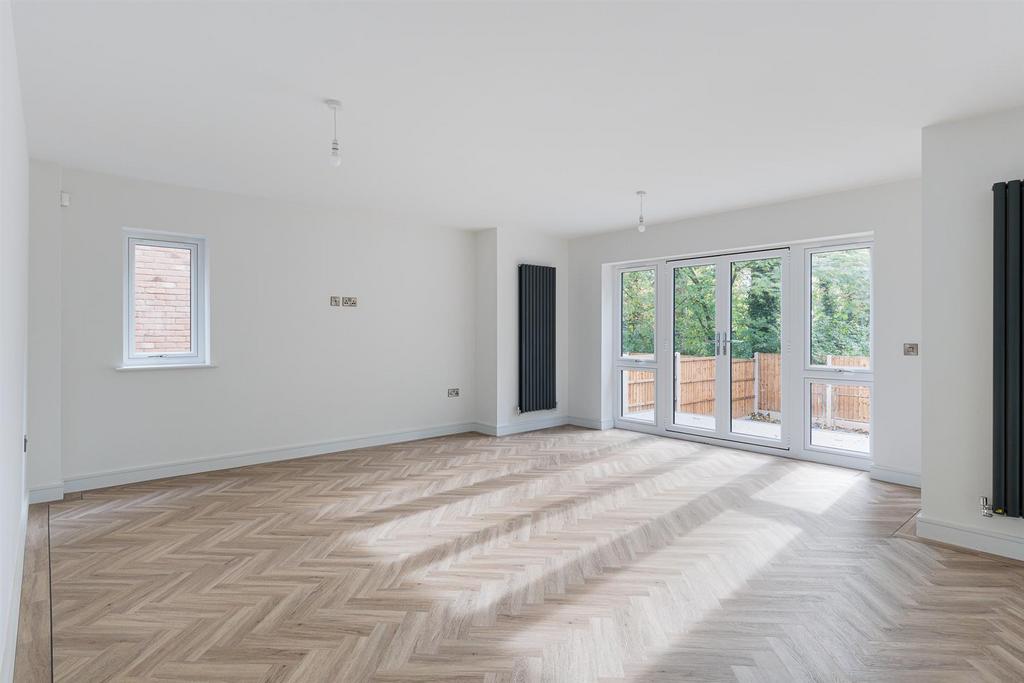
{"x": 828, "y": 406}
{"x": 757, "y": 381}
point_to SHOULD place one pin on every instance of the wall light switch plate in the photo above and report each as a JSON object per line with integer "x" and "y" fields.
{"x": 335, "y": 300}
{"x": 910, "y": 349}
{"x": 349, "y": 301}
{"x": 453, "y": 393}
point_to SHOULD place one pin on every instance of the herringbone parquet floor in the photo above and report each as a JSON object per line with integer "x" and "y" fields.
{"x": 559, "y": 555}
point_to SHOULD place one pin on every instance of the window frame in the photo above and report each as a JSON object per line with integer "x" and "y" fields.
{"x": 200, "y": 343}
{"x": 621, "y": 384}
{"x": 808, "y": 324}
{"x": 621, "y": 363}
{"x": 847, "y": 376}
{"x": 629, "y": 361}
{"x": 808, "y": 418}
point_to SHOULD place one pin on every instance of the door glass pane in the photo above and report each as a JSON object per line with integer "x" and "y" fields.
{"x": 841, "y": 416}
{"x": 693, "y": 339}
{"x": 841, "y": 308}
{"x": 756, "y": 348}
{"x": 638, "y": 395}
{"x": 638, "y": 306}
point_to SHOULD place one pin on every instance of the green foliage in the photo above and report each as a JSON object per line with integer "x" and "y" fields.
{"x": 840, "y": 304}
{"x": 694, "y": 303}
{"x": 756, "y": 307}
{"x": 638, "y": 305}
{"x": 840, "y": 307}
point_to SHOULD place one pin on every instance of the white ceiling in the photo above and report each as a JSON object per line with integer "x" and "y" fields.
{"x": 537, "y": 116}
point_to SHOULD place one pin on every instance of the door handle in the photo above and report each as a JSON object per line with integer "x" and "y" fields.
{"x": 718, "y": 342}
{"x": 675, "y": 378}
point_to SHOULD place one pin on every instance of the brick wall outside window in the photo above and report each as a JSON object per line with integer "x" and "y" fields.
{"x": 163, "y": 299}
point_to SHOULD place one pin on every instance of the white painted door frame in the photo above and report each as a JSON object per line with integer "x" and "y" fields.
{"x": 723, "y": 366}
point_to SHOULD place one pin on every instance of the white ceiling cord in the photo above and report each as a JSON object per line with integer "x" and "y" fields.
{"x": 640, "y": 225}
{"x": 334, "y": 106}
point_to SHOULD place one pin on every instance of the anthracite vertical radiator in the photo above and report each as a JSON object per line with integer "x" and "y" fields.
{"x": 1006, "y": 356}
{"x": 536, "y": 338}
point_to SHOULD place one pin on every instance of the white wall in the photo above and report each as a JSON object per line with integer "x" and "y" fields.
{"x": 514, "y": 248}
{"x": 487, "y": 328}
{"x": 960, "y": 162}
{"x": 44, "y": 343}
{"x": 499, "y": 253}
{"x": 897, "y": 294}
{"x": 891, "y": 212}
{"x": 293, "y": 374}
{"x": 13, "y": 324}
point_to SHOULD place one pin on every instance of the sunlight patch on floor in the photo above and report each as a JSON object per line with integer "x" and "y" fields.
{"x": 696, "y": 572}
{"x": 580, "y": 550}
{"x": 810, "y": 488}
{"x": 643, "y": 489}
{"x": 422, "y": 531}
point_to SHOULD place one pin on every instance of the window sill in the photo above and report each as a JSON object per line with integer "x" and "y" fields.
{"x": 859, "y": 455}
{"x": 165, "y": 366}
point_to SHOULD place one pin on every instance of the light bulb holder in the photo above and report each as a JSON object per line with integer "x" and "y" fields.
{"x": 640, "y": 224}
{"x": 334, "y": 106}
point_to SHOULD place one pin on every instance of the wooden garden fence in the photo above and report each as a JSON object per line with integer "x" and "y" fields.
{"x": 639, "y": 391}
{"x": 841, "y": 402}
{"x": 756, "y": 388}
{"x": 755, "y": 385}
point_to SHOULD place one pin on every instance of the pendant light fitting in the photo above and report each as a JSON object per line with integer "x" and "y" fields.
{"x": 335, "y": 157}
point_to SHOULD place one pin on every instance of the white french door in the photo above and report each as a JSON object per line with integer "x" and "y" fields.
{"x": 701, "y": 345}
{"x": 724, "y": 351}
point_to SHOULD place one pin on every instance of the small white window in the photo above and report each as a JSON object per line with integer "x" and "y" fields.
{"x": 165, "y": 311}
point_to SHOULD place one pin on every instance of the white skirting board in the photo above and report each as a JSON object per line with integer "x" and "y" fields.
{"x": 894, "y": 476}
{"x": 527, "y": 425}
{"x": 534, "y": 424}
{"x": 591, "y": 424}
{"x": 992, "y": 542}
{"x": 46, "y": 493}
{"x": 85, "y": 482}
{"x": 55, "y": 491}
{"x": 130, "y": 475}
